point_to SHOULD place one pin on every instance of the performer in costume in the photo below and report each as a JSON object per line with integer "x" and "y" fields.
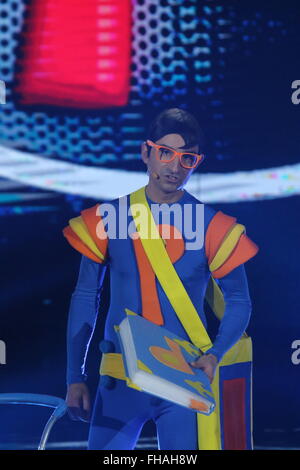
{"x": 120, "y": 410}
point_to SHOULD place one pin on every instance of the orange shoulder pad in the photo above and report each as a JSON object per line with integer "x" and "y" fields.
{"x": 219, "y": 226}
{"x": 94, "y": 225}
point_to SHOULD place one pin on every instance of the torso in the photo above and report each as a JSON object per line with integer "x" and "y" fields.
{"x": 191, "y": 267}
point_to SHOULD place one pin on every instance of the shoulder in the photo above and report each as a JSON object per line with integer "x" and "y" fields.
{"x": 226, "y": 243}
{"x": 209, "y": 211}
{"x": 96, "y": 216}
{"x": 86, "y": 233}
{"x": 217, "y": 223}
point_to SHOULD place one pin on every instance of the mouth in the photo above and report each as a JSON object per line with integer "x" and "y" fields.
{"x": 172, "y": 179}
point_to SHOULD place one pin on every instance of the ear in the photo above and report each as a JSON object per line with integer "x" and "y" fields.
{"x": 144, "y": 153}
{"x": 194, "y": 169}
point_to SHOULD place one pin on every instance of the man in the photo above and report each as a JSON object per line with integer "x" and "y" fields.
{"x": 171, "y": 153}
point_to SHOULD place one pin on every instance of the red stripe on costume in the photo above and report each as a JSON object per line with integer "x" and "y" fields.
{"x": 93, "y": 221}
{"x": 234, "y": 424}
{"x": 76, "y": 243}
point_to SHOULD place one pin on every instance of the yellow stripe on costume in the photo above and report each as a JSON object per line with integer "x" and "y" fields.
{"x": 78, "y": 226}
{"x": 214, "y": 295}
{"x": 215, "y": 298}
{"x": 168, "y": 277}
{"x": 208, "y": 427}
{"x": 209, "y": 433}
{"x": 228, "y": 244}
{"x": 112, "y": 365}
{"x": 241, "y": 351}
{"x": 129, "y": 312}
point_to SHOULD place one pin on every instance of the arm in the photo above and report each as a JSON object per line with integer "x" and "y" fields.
{"x": 236, "y": 317}
{"x": 237, "y": 311}
{"x": 82, "y": 317}
{"x": 82, "y": 234}
{"x": 81, "y": 322}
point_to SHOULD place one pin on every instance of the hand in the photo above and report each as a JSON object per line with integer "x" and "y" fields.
{"x": 208, "y": 363}
{"x": 78, "y": 402}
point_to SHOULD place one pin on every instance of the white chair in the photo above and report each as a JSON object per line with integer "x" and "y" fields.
{"x": 41, "y": 400}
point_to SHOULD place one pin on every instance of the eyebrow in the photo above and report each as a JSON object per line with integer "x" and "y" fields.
{"x": 185, "y": 147}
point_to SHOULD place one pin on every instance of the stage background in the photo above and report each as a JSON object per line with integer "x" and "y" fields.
{"x": 232, "y": 64}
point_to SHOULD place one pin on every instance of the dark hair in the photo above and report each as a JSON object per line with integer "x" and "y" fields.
{"x": 177, "y": 121}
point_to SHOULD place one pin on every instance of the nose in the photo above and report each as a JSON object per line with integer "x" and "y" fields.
{"x": 175, "y": 165}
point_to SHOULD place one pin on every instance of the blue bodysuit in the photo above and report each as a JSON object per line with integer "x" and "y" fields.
{"x": 119, "y": 413}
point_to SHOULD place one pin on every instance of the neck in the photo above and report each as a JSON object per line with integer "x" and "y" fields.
{"x": 159, "y": 196}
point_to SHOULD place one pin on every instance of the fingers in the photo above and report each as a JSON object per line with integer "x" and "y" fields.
{"x": 73, "y": 401}
{"x": 78, "y": 403}
{"x": 74, "y": 413}
{"x": 206, "y": 366}
{"x": 86, "y": 401}
{"x": 86, "y": 406}
{"x": 78, "y": 413}
{"x": 197, "y": 365}
{"x": 209, "y": 372}
{"x": 210, "y": 377}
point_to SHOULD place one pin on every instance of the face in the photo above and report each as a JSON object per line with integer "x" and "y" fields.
{"x": 164, "y": 170}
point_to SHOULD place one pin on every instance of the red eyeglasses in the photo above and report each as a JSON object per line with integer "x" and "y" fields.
{"x": 165, "y": 154}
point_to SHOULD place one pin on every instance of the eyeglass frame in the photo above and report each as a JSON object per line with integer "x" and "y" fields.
{"x": 200, "y": 157}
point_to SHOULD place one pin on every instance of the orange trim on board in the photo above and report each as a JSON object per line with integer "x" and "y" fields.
{"x": 198, "y": 405}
